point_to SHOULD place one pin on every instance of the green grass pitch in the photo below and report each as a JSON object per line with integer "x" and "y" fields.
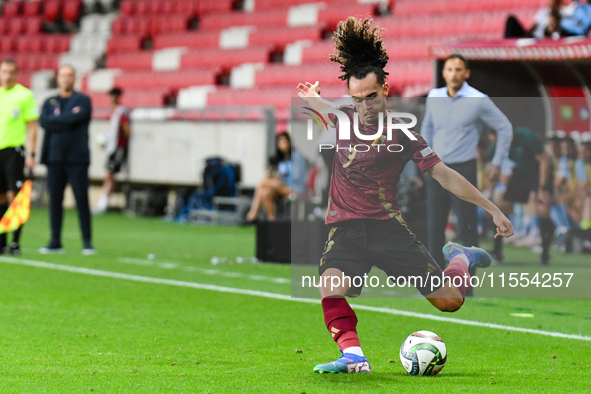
{"x": 66, "y": 332}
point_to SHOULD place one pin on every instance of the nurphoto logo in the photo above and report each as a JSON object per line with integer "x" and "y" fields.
{"x": 344, "y": 129}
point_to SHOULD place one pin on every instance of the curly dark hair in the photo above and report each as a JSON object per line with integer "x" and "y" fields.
{"x": 359, "y": 50}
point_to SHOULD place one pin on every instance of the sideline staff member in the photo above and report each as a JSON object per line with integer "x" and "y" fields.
{"x": 65, "y": 119}
{"x": 18, "y": 113}
{"x": 454, "y": 118}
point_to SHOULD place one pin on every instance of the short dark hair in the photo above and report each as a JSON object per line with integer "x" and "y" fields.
{"x": 117, "y": 92}
{"x": 555, "y": 139}
{"x": 458, "y": 56}
{"x": 586, "y": 145}
{"x": 12, "y": 62}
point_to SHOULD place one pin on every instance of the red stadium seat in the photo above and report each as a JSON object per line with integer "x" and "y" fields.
{"x": 280, "y": 36}
{"x": 6, "y": 44}
{"x": 169, "y": 7}
{"x": 11, "y": 9}
{"x": 197, "y": 40}
{"x": 208, "y": 6}
{"x": 49, "y": 61}
{"x": 32, "y": 8}
{"x": 127, "y": 7}
{"x": 16, "y": 26}
{"x": 71, "y": 10}
{"x": 174, "y": 23}
{"x": 24, "y": 78}
{"x": 34, "y": 25}
{"x": 132, "y": 98}
{"x": 282, "y": 75}
{"x": 142, "y": 7}
{"x": 333, "y": 15}
{"x": 225, "y": 58}
{"x": 224, "y": 20}
{"x": 51, "y": 10}
{"x": 3, "y": 26}
{"x": 117, "y": 28}
{"x": 23, "y": 44}
{"x": 131, "y": 61}
{"x": 174, "y": 80}
{"x": 126, "y": 43}
{"x": 155, "y": 7}
{"x": 187, "y": 7}
{"x": 57, "y": 43}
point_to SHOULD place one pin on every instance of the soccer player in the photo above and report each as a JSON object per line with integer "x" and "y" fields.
{"x": 18, "y": 113}
{"x": 66, "y": 118}
{"x": 116, "y": 147}
{"x": 366, "y": 227}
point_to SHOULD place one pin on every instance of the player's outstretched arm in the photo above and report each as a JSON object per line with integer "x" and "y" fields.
{"x": 311, "y": 95}
{"x": 458, "y": 185}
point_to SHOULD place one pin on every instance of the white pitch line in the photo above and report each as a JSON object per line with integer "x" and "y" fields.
{"x": 208, "y": 271}
{"x": 284, "y": 297}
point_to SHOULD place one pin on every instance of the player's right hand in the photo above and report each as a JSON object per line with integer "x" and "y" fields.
{"x": 504, "y": 226}
{"x": 309, "y": 90}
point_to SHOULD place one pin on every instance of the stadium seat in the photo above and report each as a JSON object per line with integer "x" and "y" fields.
{"x": 34, "y": 25}
{"x": 280, "y": 36}
{"x": 173, "y": 80}
{"x": 196, "y": 40}
{"x": 32, "y": 8}
{"x": 208, "y": 6}
{"x": 133, "y": 98}
{"x": 282, "y": 75}
{"x": 7, "y": 44}
{"x": 225, "y": 58}
{"x": 131, "y": 61}
{"x": 71, "y": 10}
{"x": 51, "y": 10}
{"x": 172, "y": 23}
{"x": 10, "y": 9}
{"x": 16, "y": 26}
{"x": 126, "y": 43}
{"x": 333, "y": 15}
{"x": 57, "y": 43}
{"x": 224, "y": 20}
{"x": 127, "y": 7}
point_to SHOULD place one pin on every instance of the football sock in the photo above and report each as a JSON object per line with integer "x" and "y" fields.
{"x": 498, "y": 245}
{"x": 458, "y": 266}
{"x": 103, "y": 203}
{"x": 547, "y": 231}
{"x": 341, "y": 322}
{"x": 354, "y": 350}
{"x": 16, "y": 235}
{"x": 3, "y": 209}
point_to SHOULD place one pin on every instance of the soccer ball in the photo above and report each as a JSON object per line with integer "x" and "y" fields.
{"x": 423, "y": 353}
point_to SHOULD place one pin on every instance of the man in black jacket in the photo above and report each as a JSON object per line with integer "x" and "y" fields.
{"x": 65, "y": 151}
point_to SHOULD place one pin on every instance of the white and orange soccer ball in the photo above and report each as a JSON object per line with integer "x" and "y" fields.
{"x": 423, "y": 353}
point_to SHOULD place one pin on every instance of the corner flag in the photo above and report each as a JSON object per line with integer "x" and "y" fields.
{"x": 19, "y": 210}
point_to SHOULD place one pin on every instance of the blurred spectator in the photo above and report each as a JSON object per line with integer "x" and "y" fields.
{"x": 579, "y": 23}
{"x": 290, "y": 176}
{"x": 567, "y": 209}
{"x": 547, "y": 22}
{"x": 529, "y": 174}
{"x": 583, "y": 174}
{"x": 116, "y": 147}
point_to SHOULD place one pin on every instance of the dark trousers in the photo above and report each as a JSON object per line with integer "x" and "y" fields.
{"x": 58, "y": 176}
{"x": 439, "y": 202}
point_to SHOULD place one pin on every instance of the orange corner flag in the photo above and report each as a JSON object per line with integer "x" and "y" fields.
{"x": 19, "y": 210}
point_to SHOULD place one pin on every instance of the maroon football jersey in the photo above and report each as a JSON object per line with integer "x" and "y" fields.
{"x": 364, "y": 184}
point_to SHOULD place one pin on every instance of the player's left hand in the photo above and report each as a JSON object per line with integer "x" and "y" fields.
{"x": 504, "y": 226}
{"x": 493, "y": 173}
